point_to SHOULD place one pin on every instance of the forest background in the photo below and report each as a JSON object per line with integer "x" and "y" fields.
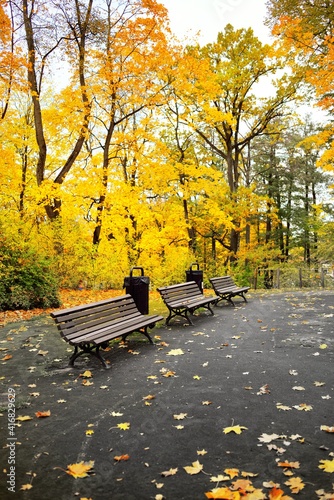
{"x": 122, "y": 146}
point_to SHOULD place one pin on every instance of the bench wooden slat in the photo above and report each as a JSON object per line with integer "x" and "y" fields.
{"x": 183, "y": 298}
{"x": 226, "y": 289}
{"x": 90, "y": 326}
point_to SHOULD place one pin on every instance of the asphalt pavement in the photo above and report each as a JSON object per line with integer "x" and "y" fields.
{"x": 241, "y": 403}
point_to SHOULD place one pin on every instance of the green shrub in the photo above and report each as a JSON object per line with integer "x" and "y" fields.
{"x": 27, "y": 279}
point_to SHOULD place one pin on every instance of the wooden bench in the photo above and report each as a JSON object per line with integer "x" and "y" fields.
{"x": 183, "y": 298}
{"x": 90, "y": 327}
{"x": 226, "y": 289}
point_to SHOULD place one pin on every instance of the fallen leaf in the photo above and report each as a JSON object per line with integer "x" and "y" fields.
{"x": 42, "y": 414}
{"x": 170, "y": 472}
{"x": 181, "y": 416}
{"x": 26, "y": 487}
{"x": 232, "y": 472}
{"x": 289, "y": 465}
{"x": 23, "y": 418}
{"x": 206, "y": 403}
{"x": 303, "y": 407}
{"x": 194, "y": 468}
{"x": 116, "y": 414}
{"x": 80, "y": 469}
{"x": 121, "y": 458}
{"x": 197, "y": 377}
{"x": 86, "y": 374}
{"x": 295, "y": 484}
{"x": 279, "y": 406}
{"x": 298, "y": 388}
{"x": 236, "y": 428}
{"x": 179, "y": 427}
{"x": 175, "y": 352}
{"x": 7, "y": 357}
{"x": 327, "y": 465}
{"x": 263, "y": 390}
{"x": 124, "y": 426}
{"x": 319, "y": 384}
{"x": 149, "y": 397}
{"x": 219, "y": 478}
{"x": 323, "y": 346}
{"x": 89, "y": 432}
{"x": 87, "y": 382}
{"x": 201, "y": 452}
{"x": 43, "y": 353}
{"x": 222, "y": 493}
{"x": 326, "y": 428}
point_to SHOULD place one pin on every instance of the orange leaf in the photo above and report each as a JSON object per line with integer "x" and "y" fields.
{"x": 277, "y": 494}
{"x": 41, "y": 414}
{"x": 290, "y": 465}
{"x": 121, "y": 458}
{"x": 5, "y": 358}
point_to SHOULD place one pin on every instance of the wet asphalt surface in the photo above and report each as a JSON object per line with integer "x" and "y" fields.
{"x": 265, "y": 366}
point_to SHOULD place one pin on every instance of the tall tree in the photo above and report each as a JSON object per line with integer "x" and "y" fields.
{"x": 220, "y": 101}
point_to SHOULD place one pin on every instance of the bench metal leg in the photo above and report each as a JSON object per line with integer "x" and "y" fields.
{"x": 178, "y": 312}
{"x": 87, "y": 349}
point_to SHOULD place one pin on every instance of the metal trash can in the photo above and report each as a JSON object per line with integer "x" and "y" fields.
{"x": 195, "y": 275}
{"x": 138, "y": 288}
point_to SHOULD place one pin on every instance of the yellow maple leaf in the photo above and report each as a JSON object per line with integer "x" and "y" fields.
{"x": 201, "y": 452}
{"x": 327, "y": 465}
{"x": 80, "y": 469}
{"x": 194, "y": 468}
{"x": 295, "y": 484}
{"x": 87, "y": 382}
{"x": 236, "y": 428}
{"x": 89, "y": 432}
{"x": 197, "y": 377}
{"x": 147, "y": 398}
{"x": 124, "y": 426}
{"x": 86, "y": 374}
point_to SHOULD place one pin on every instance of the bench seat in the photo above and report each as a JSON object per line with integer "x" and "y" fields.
{"x": 226, "y": 289}
{"x": 184, "y": 298}
{"x": 90, "y": 327}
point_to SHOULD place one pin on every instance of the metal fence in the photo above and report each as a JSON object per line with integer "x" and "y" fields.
{"x": 281, "y": 278}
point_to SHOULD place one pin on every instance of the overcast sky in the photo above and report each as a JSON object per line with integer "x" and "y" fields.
{"x": 211, "y": 16}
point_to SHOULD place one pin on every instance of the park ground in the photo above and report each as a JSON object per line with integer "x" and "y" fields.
{"x": 240, "y": 405}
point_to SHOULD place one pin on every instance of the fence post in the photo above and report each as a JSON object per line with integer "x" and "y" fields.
{"x": 300, "y": 278}
{"x": 278, "y": 276}
{"x": 255, "y": 279}
{"x": 322, "y": 278}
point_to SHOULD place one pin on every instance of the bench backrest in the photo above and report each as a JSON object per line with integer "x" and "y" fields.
{"x": 84, "y": 319}
{"x": 180, "y": 292}
{"x": 222, "y": 282}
